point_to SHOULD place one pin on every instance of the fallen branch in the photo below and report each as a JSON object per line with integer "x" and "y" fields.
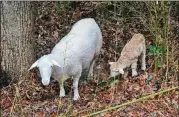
{"x": 131, "y": 102}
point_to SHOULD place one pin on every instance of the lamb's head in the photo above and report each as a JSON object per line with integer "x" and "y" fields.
{"x": 115, "y": 69}
{"x": 45, "y": 64}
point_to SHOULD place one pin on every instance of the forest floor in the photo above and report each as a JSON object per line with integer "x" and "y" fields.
{"x": 29, "y": 98}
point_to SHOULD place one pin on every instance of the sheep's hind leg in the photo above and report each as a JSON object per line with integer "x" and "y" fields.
{"x": 143, "y": 64}
{"x": 134, "y": 67}
{"x": 90, "y": 74}
{"x": 75, "y": 84}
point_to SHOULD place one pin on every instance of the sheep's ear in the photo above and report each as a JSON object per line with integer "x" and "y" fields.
{"x": 54, "y": 62}
{"x": 110, "y": 63}
{"x": 121, "y": 71}
{"x": 33, "y": 65}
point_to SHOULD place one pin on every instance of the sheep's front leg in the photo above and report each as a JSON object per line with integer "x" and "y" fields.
{"x": 62, "y": 90}
{"x": 125, "y": 74}
{"x": 75, "y": 87}
{"x": 134, "y": 67}
{"x": 91, "y": 68}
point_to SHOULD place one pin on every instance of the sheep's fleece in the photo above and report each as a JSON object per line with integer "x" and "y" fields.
{"x": 75, "y": 52}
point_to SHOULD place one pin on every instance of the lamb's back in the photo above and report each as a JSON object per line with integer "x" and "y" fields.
{"x": 133, "y": 48}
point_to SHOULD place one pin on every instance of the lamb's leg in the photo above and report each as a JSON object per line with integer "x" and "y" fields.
{"x": 134, "y": 67}
{"x": 143, "y": 64}
{"x": 125, "y": 74}
{"x": 91, "y": 68}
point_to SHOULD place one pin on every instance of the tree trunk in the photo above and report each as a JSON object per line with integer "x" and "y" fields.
{"x": 16, "y": 38}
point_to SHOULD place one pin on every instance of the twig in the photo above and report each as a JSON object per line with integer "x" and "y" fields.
{"x": 17, "y": 95}
{"x": 131, "y": 102}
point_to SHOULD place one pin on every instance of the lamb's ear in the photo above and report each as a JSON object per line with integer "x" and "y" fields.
{"x": 110, "y": 63}
{"x": 33, "y": 65}
{"x": 121, "y": 71}
{"x": 54, "y": 62}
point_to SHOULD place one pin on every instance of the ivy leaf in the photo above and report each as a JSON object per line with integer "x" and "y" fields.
{"x": 152, "y": 48}
{"x": 149, "y": 78}
{"x": 150, "y": 53}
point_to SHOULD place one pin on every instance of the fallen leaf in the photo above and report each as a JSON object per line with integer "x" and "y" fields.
{"x": 6, "y": 103}
{"x": 76, "y": 14}
{"x": 24, "y": 102}
{"x": 53, "y": 115}
{"x": 40, "y": 114}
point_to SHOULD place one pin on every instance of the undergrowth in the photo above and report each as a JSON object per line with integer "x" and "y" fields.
{"x": 118, "y": 22}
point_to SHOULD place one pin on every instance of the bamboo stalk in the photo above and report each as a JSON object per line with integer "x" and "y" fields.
{"x": 131, "y": 102}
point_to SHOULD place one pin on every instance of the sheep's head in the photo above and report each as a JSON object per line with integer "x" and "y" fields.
{"x": 45, "y": 64}
{"x": 115, "y": 69}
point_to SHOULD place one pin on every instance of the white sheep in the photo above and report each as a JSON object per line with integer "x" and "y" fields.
{"x": 75, "y": 52}
{"x": 129, "y": 57}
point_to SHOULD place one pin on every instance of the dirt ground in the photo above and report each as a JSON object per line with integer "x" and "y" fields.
{"x": 29, "y": 98}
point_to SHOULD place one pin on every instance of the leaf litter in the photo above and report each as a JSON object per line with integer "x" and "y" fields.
{"x": 53, "y": 21}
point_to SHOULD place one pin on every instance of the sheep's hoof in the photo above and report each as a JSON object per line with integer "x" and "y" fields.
{"x": 143, "y": 68}
{"x": 90, "y": 75}
{"x": 125, "y": 75}
{"x": 62, "y": 94}
{"x": 134, "y": 74}
{"x": 76, "y": 97}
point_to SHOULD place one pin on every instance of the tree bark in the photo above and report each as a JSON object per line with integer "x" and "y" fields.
{"x": 16, "y": 38}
